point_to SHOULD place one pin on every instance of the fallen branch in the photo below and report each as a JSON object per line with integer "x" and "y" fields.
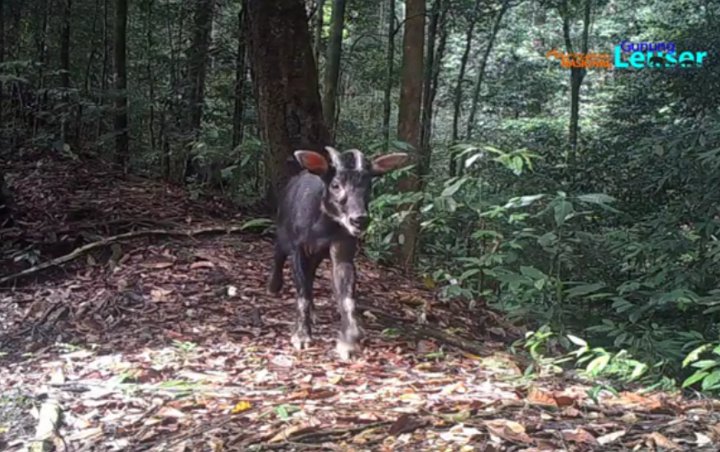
{"x": 424, "y": 331}
{"x": 115, "y": 238}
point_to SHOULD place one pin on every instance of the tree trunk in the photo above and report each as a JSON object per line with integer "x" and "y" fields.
{"x": 65, "y": 44}
{"x": 332, "y": 64}
{"x": 457, "y": 97}
{"x": 240, "y": 73}
{"x": 5, "y": 201}
{"x": 431, "y": 72}
{"x": 389, "y": 75}
{"x": 481, "y": 69}
{"x": 576, "y": 74}
{"x": 318, "y": 31}
{"x": 409, "y": 121}
{"x": 285, "y": 84}
{"x": 2, "y": 60}
{"x": 150, "y": 74}
{"x": 121, "y": 119}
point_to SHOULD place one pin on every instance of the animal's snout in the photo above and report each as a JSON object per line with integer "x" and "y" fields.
{"x": 360, "y": 221}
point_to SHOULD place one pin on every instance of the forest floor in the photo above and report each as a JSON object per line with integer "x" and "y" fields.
{"x": 168, "y": 342}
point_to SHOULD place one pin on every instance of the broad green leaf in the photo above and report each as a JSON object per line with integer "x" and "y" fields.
{"x": 596, "y": 198}
{"x": 694, "y": 378}
{"x": 584, "y": 289}
{"x": 598, "y": 364}
{"x": 705, "y": 364}
{"x": 694, "y": 355}
{"x": 563, "y": 209}
{"x": 711, "y": 380}
{"x": 454, "y": 187}
{"x": 532, "y": 272}
{"x": 577, "y": 341}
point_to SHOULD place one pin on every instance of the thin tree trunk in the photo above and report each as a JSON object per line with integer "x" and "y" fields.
{"x": 332, "y": 68}
{"x": 481, "y": 69}
{"x": 389, "y": 75}
{"x": 91, "y": 55}
{"x": 240, "y": 73}
{"x": 576, "y": 74}
{"x": 285, "y": 84}
{"x": 121, "y": 119}
{"x": 2, "y": 60}
{"x": 428, "y": 89}
{"x": 104, "y": 71}
{"x": 409, "y": 121}
{"x": 319, "y": 18}
{"x": 150, "y": 74}
{"x": 457, "y": 95}
{"x": 65, "y": 44}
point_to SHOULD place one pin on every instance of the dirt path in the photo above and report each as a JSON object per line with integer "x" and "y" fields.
{"x": 171, "y": 344}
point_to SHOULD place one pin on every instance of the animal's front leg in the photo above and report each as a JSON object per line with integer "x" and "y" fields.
{"x": 342, "y": 255}
{"x": 302, "y": 336}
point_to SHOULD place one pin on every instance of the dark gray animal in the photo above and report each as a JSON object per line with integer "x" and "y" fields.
{"x": 323, "y": 212}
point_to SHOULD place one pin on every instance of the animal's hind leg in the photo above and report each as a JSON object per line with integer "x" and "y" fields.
{"x": 275, "y": 283}
{"x": 302, "y": 336}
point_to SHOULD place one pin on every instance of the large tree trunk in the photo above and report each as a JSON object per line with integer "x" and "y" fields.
{"x": 2, "y": 60}
{"x": 409, "y": 120}
{"x": 332, "y": 64}
{"x": 150, "y": 74}
{"x": 240, "y": 73}
{"x": 285, "y": 84}
{"x": 457, "y": 94}
{"x": 121, "y": 119}
{"x": 389, "y": 75}
{"x": 481, "y": 69}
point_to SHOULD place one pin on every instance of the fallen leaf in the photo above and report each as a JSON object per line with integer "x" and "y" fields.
{"x": 459, "y": 434}
{"x": 241, "y": 406}
{"x": 508, "y": 430}
{"x": 201, "y": 264}
{"x": 158, "y": 295}
{"x": 702, "y": 440}
{"x": 158, "y": 265}
{"x": 537, "y": 396}
{"x": 570, "y": 411}
{"x": 611, "y": 437}
{"x": 660, "y": 440}
{"x": 579, "y": 436}
{"x": 563, "y": 400}
{"x": 171, "y": 412}
{"x": 403, "y": 424}
{"x": 335, "y": 380}
{"x": 285, "y": 433}
{"x": 410, "y": 397}
{"x": 631, "y": 400}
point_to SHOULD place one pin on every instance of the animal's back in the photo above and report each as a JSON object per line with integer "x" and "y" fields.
{"x": 300, "y": 207}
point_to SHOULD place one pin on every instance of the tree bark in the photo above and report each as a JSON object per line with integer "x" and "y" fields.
{"x": 121, "y": 120}
{"x": 5, "y": 213}
{"x": 285, "y": 84}
{"x": 150, "y": 74}
{"x": 577, "y": 75}
{"x": 2, "y": 60}
{"x": 240, "y": 73}
{"x": 389, "y": 75}
{"x": 332, "y": 64}
{"x": 318, "y": 31}
{"x": 409, "y": 121}
{"x": 65, "y": 44}
{"x": 431, "y": 74}
{"x": 458, "y": 91}
{"x": 481, "y": 69}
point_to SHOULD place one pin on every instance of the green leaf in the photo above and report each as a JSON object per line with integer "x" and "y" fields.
{"x": 256, "y": 223}
{"x": 596, "y": 198}
{"x": 454, "y": 187}
{"x": 705, "y": 364}
{"x": 598, "y": 364}
{"x": 563, "y": 209}
{"x": 532, "y": 272}
{"x": 577, "y": 341}
{"x": 694, "y": 355}
{"x": 522, "y": 201}
{"x": 584, "y": 289}
{"x": 711, "y": 380}
{"x": 694, "y": 378}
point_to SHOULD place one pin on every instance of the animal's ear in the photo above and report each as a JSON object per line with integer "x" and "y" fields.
{"x": 312, "y": 161}
{"x": 388, "y": 162}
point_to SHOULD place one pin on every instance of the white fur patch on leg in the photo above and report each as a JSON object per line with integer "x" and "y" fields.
{"x": 345, "y": 349}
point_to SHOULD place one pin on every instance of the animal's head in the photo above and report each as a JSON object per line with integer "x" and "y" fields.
{"x": 348, "y": 183}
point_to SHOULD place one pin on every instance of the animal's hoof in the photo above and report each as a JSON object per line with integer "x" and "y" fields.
{"x": 300, "y": 340}
{"x": 347, "y": 349}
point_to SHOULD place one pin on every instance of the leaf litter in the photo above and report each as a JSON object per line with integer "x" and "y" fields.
{"x": 167, "y": 343}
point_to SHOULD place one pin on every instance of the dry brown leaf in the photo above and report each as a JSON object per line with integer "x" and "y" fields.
{"x": 563, "y": 400}
{"x": 611, "y": 437}
{"x": 537, "y": 396}
{"x": 579, "y": 436}
{"x": 570, "y": 411}
{"x": 285, "y": 433}
{"x": 404, "y": 423}
{"x": 631, "y": 400}
{"x": 158, "y": 265}
{"x": 171, "y": 412}
{"x": 508, "y": 430}
{"x": 659, "y": 440}
{"x": 201, "y": 264}
{"x": 159, "y": 294}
